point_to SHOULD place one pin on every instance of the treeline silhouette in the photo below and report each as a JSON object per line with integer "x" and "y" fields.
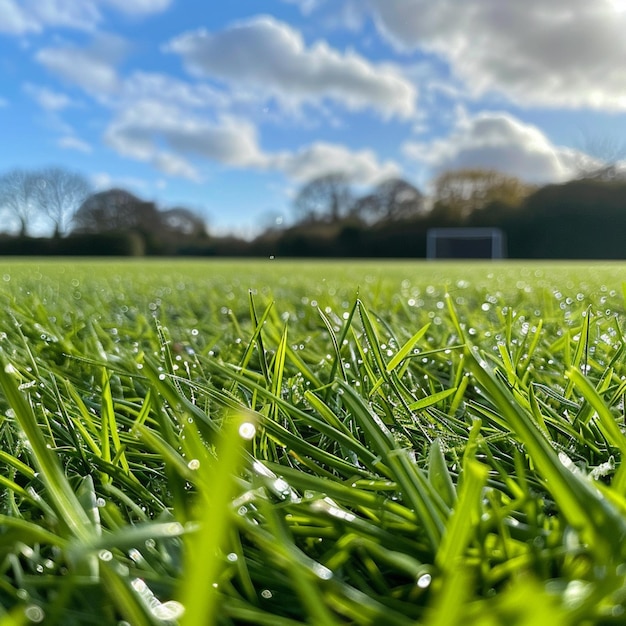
{"x": 579, "y": 219}
{"x": 108, "y": 223}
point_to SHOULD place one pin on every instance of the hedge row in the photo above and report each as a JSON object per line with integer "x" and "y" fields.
{"x": 110, "y": 244}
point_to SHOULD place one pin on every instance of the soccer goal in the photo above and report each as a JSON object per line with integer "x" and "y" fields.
{"x": 465, "y": 243}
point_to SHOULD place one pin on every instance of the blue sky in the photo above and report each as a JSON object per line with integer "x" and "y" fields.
{"x": 229, "y": 107}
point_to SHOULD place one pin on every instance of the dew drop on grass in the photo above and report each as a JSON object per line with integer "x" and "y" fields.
{"x": 168, "y": 611}
{"x": 194, "y": 464}
{"x": 322, "y": 572}
{"x": 34, "y": 613}
{"x": 424, "y": 581}
{"x": 232, "y": 557}
{"x": 247, "y": 430}
{"x": 135, "y": 555}
{"x": 105, "y": 555}
{"x": 266, "y": 593}
{"x": 282, "y": 486}
{"x": 174, "y": 529}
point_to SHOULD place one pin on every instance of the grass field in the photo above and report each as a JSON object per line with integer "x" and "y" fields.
{"x": 268, "y": 442}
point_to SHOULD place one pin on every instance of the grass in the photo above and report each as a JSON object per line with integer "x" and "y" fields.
{"x": 326, "y": 443}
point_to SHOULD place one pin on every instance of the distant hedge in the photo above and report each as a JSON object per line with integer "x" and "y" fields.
{"x": 109, "y": 244}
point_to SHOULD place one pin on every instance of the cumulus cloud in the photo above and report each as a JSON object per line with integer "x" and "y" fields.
{"x": 175, "y": 142}
{"x": 70, "y": 142}
{"x": 150, "y": 85}
{"x": 47, "y": 98}
{"x": 20, "y": 17}
{"x": 104, "y": 180}
{"x": 272, "y": 57}
{"x": 495, "y": 140}
{"x": 138, "y": 7}
{"x": 306, "y": 6}
{"x": 567, "y": 53}
{"x": 360, "y": 167}
{"x": 140, "y": 129}
{"x": 92, "y": 68}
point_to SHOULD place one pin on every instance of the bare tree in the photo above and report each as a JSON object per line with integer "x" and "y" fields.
{"x": 392, "y": 199}
{"x": 182, "y": 221}
{"x": 18, "y": 191}
{"x": 459, "y": 193}
{"x": 116, "y": 210}
{"x": 326, "y": 197}
{"x": 602, "y": 158}
{"x": 59, "y": 193}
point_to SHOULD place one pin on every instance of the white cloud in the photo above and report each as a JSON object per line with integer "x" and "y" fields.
{"x": 150, "y": 85}
{"x": 273, "y": 58}
{"x": 306, "y": 6}
{"x": 495, "y": 140}
{"x": 15, "y": 20}
{"x": 139, "y": 131}
{"x": 103, "y": 180}
{"x": 47, "y": 98}
{"x": 20, "y": 17}
{"x": 360, "y": 167}
{"x": 138, "y": 7}
{"x": 137, "y": 127}
{"x": 175, "y": 142}
{"x": 91, "y": 68}
{"x": 33, "y": 16}
{"x": 568, "y": 53}
{"x": 69, "y": 142}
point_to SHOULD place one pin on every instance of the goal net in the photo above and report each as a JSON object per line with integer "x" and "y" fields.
{"x": 465, "y": 243}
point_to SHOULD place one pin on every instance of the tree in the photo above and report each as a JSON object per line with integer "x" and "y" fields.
{"x": 601, "y": 159}
{"x": 327, "y": 197}
{"x": 59, "y": 193}
{"x": 18, "y": 190}
{"x": 459, "y": 193}
{"x": 182, "y": 221}
{"x": 392, "y": 199}
{"x": 116, "y": 210}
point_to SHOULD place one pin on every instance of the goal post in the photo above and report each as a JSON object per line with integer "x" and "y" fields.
{"x": 465, "y": 243}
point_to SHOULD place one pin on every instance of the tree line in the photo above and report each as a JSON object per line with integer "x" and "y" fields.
{"x": 82, "y": 221}
{"x": 582, "y": 218}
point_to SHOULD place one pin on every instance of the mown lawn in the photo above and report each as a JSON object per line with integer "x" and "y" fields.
{"x": 272, "y": 442}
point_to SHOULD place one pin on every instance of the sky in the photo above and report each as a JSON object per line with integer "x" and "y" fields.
{"x": 228, "y": 108}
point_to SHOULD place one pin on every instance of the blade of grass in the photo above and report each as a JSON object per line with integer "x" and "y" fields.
{"x": 406, "y": 348}
{"x": 203, "y": 549}
{"x": 63, "y": 499}
{"x": 585, "y": 511}
{"x": 415, "y": 487}
{"x": 466, "y": 514}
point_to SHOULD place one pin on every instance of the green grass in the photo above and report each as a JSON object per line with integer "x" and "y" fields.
{"x": 326, "y": 443}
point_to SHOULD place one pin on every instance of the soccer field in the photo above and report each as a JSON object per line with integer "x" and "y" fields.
{"x": 278, "y": 442}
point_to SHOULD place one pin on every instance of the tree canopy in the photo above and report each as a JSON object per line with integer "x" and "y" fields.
{"x": 459, "y": 193}
{"x": 325, "y": 198}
